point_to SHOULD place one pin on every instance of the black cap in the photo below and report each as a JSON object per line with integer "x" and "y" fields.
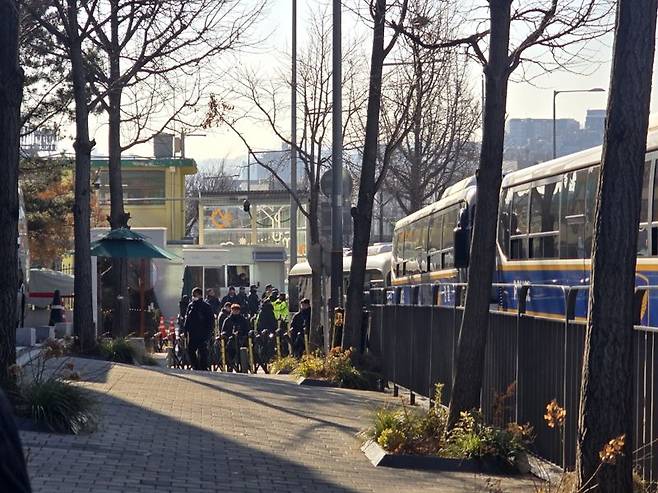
{"x": 253, "y": 287}
{"x": 269, "y": 286}
{"x": 306, "y": 300}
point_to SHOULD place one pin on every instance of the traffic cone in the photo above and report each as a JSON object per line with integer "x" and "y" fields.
{"x": 172, "y": 325}
{"x": 162, "y": 328}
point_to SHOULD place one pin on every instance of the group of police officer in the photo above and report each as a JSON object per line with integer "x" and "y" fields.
{"x": 233, "y": 316}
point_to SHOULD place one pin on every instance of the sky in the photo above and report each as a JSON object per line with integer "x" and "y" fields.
{"x": 525, "y": 99}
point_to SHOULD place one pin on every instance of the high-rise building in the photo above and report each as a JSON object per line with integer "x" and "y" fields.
{"x": 529, "y": 141}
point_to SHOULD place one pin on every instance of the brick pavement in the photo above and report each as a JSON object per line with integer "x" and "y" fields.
{"x": 180, "y": 431}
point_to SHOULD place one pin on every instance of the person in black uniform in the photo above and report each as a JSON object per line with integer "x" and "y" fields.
{"x": 300, "y": 324}
{"x": 223, "y": 315}
{"x": 266, "y": 319}
{"x": 253, "y": 301}
{"x": 236, "y": 324}
{"x": 199, "y": 322}
{"x": 242, "y": 301}
{"x": 213, "y": 301}
{"x": 231, "y": 297}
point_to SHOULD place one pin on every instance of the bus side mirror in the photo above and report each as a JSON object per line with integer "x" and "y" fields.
{"x": 461, "y": 248}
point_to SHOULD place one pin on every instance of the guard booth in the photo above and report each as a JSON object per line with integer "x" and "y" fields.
{"x": 220, "y": 268}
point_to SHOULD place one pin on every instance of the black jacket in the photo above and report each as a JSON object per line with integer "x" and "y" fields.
{"x": 266, "y": 318}
{"x": 301, "y": 320}
{"x": 253, "y": 303}
{"x": 213, "y": 301}
{"x": 236, "y": 323}
{"x": 229, "y": 299}
{"x": 222, "y": 316}
{"x": 199, "y": 320}
{"x": 242, "y": 301}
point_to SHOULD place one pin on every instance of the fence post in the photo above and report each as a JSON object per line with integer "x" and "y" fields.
{"x": 569, "y": 314}
{"x": 521, "y": 309}
{"x": 435, "y": 299}
{"x": 455, "y": 334}
{"x": 415, "y": 290}
{"x": 396, "y": 303}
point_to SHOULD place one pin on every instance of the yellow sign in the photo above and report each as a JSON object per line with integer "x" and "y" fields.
{"x": 338, "y": 318}
{"x": 221, "y": 219}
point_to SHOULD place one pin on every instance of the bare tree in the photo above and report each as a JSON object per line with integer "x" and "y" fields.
{"x": 148, "y": 49}
{"x": 369, "y": 180}
{"x": 551, "y": 35}
{"x": 214, "y": 179}
{"x": 444, "y": 114}
{"x": 48, "y": 92}
{"x": 607, "y": 406}
{"x": 11, "y": 90}
{"x": 60, "y": 19}
{"x": 266, "y": 103}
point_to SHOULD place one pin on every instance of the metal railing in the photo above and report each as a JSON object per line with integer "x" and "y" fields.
{"x": 541, "y": 356}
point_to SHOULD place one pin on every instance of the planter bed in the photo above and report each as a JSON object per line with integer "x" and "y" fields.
{"x": 381, "y": 458}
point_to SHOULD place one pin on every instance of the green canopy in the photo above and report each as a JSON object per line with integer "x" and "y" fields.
{"x": 125, "y": 243}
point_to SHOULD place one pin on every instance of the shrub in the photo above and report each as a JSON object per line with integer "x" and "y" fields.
{"x": 422, "y": 432}
{"x": 471, "y": 438}
{"x": 391, "y": 439}
{"x": 413, "y": 431}
{"x": 58, "y": 405}
{"x": 118, "y": 350}
{"x": 337, "y": 367}
{"x": 284, "y": 365}
{"x": 310, "y": 366}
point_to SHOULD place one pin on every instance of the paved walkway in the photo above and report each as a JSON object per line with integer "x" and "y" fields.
{"x": 179, "y": 431}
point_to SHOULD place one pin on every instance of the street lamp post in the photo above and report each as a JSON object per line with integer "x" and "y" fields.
{"x": 336, "y": 162}
{"x": 292, "y": 291}
{"x": 555, "y": 93}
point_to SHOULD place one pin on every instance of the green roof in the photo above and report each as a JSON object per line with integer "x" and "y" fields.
{"x": 146, "y": 162}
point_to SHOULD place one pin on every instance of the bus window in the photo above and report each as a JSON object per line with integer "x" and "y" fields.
{"x": 503, "y": 221}
{"x": 398, "y": 251}
{"x": 421, "y": 246}
{"x": 450, "y": 218}
{"x": 434, "y": 241}
{"x": 544, "y": 220}
{"x": 590, "y": 204}
{"x": 412, "y": 248}
{"x": 519, "y": 225}
{"x": 572, "y": 242}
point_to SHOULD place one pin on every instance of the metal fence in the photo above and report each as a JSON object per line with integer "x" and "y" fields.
{"x": 541, "y": 358}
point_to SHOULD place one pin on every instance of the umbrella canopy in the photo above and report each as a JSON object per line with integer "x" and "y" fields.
{"x": 126, "y": 243}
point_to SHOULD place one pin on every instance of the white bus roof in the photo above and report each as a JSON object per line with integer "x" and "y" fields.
{"x": 380, "y": 262}
{"x": 462, "y": 190}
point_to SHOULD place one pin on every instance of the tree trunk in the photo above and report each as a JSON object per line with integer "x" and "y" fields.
{"x": 606, "y": 409}
{"x": 11, "y": 94}
{"x": 83, "y": 325}
{"x": 473, "y": 335}
{"x": 362, "y": 214}
{"x": 118, "y": 216}
{"x": 315, "y": 261}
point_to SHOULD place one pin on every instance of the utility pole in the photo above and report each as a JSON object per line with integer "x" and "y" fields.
{"x": 336, "y": 165}
{"x": 292, "y": 290}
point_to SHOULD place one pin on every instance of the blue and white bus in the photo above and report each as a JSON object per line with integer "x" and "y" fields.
{"x": 545, "y": 227}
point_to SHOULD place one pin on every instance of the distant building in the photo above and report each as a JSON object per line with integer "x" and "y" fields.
{"x": 39, "y": 141}
{"x": 529, "y": 141}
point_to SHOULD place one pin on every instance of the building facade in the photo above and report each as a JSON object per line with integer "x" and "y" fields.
{"x": 153, "y": 191}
